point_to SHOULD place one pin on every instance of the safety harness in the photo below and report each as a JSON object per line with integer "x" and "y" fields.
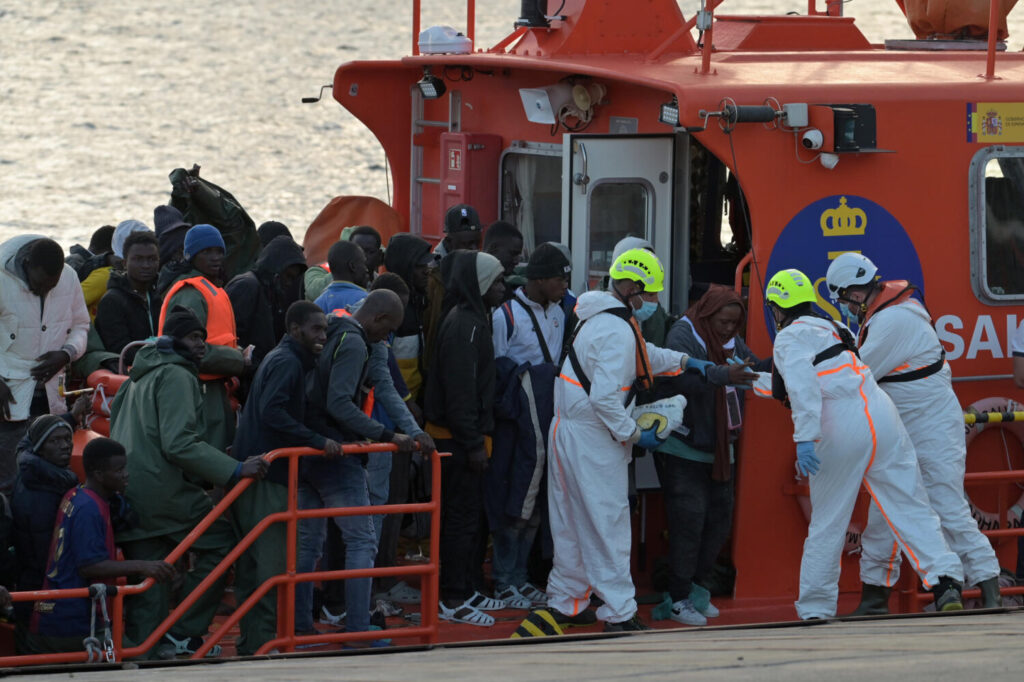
{"x": 845, "y": 343}
{"x": 894, "y": 293}
{"x": 96, "y": 649}
{"x": 644, "y": 377}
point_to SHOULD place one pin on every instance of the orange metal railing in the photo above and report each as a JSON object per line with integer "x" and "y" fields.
{"x": 426, "y": 632}
{"x": 910, "y": 595}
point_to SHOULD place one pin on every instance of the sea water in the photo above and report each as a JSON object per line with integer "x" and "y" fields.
{"x": 101, "y": 99}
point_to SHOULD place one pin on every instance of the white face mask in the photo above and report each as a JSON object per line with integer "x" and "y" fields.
{"x": 646, "y": 309}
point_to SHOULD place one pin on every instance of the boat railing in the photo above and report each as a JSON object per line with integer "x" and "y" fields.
{"x": 286, "y": 640}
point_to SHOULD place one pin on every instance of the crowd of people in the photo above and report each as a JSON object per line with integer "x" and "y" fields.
{"x": 466, "y": 349}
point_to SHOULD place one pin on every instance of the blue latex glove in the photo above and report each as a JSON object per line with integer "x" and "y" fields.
{"x": 733, "y": 360}
{"x": 701, "y": 365}
{"x": 649, "y": 439}
{"x": 807, "y": 462}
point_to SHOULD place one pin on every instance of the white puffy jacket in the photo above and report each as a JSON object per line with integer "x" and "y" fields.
{"x": 30, "y": 326}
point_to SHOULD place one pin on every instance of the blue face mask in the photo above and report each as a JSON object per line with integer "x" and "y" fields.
{"x": 647, "y": 308}
{"x": 850, "y": 319}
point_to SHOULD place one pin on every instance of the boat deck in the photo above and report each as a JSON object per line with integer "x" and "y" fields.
{"x": 965, "y": 645}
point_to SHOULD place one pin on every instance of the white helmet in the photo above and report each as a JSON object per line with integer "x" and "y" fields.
{"x": 847, "y": 270}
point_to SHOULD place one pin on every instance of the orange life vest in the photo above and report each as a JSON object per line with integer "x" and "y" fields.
{"x": 370, "y": 398}
{"x": 893, "y": 292}
{"x": 220, "y": 316}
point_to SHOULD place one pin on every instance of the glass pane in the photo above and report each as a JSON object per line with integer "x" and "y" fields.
{"x": 617, "y": 210}
{"x": 1004, "y": 226}
{"x": 531, "y": 196}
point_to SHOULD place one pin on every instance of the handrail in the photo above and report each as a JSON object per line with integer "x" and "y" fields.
{"x": 740, "y": 267}
{"x": 427, "y": 632}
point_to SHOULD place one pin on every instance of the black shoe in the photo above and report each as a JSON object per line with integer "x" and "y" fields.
{"x": 948, "y": 595}
{"x": 634, "y": 624}
{"x": 874, "y": 601}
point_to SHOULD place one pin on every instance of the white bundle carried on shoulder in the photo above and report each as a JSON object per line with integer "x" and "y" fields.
{"x": 666, "y": 413}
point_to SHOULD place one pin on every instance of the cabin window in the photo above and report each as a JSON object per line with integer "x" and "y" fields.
{"x": 1000, "y": 208}
{"x": 531, "y": 194}
{"x": 617, "y": 210}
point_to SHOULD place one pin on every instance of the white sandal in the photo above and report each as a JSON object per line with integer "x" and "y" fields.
{"x": 482, "y": 603}
{"x": 465, "y": 614}
{"x": 514, "y": 599}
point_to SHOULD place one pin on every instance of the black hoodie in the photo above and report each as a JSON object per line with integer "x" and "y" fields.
{"x": 460, "y": 387}
{"x": 404, "y": 252}
{"x": 258, "y": 299}
{"x": 123, "y": 316}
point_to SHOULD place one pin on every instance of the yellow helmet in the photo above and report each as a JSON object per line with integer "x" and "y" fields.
{"x": 789, "y": 288}
{"x": 639, "y": 265}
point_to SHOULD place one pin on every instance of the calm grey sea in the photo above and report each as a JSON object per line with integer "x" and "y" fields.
{"x": 102, "y": 98}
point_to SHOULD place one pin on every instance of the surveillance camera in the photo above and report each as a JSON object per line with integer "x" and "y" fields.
{"x": 812, "y": 139}
{"x": 829, "y": 161}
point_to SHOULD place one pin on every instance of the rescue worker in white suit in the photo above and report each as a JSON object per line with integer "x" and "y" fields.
{"x": 846, "y": 431}
{"x": 590, "y": 443}
{"x": 899, "y": 344}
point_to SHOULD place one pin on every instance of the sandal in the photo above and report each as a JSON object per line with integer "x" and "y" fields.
{"x": 534, "y": 594}
{"x": 466, "y": 614}
{"x": 482, "y": 603}
{"x": 514, "y": 599}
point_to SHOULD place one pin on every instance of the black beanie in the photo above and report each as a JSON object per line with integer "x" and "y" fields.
{"x": 547, "y": 260}
{"x": 43, "y": 427}
{"x": 181, "y": 322}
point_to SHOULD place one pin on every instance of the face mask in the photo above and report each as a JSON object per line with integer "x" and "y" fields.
{"x": 647, "y": 308}
{"x": 849, "y": 318}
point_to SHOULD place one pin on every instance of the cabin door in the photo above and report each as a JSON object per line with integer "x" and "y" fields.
{"x": 615, "y": 187}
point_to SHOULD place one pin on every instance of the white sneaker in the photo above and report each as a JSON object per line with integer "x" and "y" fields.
{"x": 710, "y": 611}
{"x": 683, "y": 612}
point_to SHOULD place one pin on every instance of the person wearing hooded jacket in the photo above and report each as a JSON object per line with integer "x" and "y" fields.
{"x": 168, "y": 464}
{"x": 846, "y": 431}
{"x": 408, "y": 256}
{"x": 459, "y": 410}
{"x": 591, "y": 439}
{"x": 200, "y": 291}
{"x": 44, "y": 325}
{"x": 899, "y": 344}
{"x": 261, "y": 296}
{"x": 130, "y": 310}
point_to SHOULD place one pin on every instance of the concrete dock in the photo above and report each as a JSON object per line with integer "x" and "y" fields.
{"x": 968, "y": 646}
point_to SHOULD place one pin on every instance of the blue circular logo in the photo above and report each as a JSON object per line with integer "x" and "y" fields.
{"x": 836, "y": 224}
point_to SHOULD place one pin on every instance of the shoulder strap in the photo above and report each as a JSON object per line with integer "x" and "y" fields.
{"x": 574, "y": 360}
{"x": 920, "y": 373}
{"x": 510, "y": 319}
{"x": 846, "y": 343}
{"x": 536, "y": 329}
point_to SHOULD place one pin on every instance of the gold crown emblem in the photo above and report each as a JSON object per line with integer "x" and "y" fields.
{"x": 843, "y": 221}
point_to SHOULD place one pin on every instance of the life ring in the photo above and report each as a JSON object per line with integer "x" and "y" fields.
{"x": 106, "y": 385}
{"x": 987, "y": 520}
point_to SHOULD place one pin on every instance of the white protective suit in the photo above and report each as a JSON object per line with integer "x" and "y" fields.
{"x": 900, "y": 338}
{"x": 588, "y": 460}
{"x": 859, "y": 436}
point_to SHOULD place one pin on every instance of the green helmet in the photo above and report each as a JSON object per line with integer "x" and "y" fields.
{"x": 639, "y": 265}
{"x": 789, "y": 288}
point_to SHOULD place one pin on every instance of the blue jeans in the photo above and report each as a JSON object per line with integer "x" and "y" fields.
{"x": 339, "y": 482}
{"x": 512, "y": 547}
{"x": 378, "y": 480}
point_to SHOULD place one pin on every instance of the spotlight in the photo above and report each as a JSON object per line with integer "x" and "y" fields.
{"x": 669, "y": 114}
{"x": 431, "y": 87}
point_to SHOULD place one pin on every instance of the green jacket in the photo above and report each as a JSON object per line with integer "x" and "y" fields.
{"x": 157, "y": 417}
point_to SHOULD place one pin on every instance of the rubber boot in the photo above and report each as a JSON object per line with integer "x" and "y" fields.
{"x": 874, "y": 601}
{"x": 990, "y": 593}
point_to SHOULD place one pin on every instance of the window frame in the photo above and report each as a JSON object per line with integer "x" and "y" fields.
{"x": 978, "y": 206}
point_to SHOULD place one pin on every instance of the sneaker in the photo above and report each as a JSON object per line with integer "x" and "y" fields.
{"x": 710, "y": 611}
{"x": 329, "y": 618}
{"x": 634, "y": 624}
{"x": 534, "y": 594}
{"x": 513, "y": 599}
{"x": 171, "y": 647}
{"x": 948, "y": 595}
{"x": 683, "y": 612}
{"x": 387, "y": 608}
{"x": 400, "y": 592}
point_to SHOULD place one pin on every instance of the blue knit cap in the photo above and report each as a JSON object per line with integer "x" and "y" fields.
{"x": 201, "y": 237}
